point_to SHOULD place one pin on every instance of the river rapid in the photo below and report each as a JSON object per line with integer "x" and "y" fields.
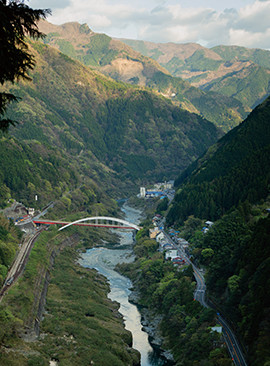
{"x": 104, "y": 260}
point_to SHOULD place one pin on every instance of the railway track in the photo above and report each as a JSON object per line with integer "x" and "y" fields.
{"x": 19, "y": 263}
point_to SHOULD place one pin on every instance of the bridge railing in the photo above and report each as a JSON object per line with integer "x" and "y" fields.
{"x": 105, "y": 221}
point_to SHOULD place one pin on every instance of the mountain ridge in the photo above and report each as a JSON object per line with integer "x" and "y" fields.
{"x": 122, "y": 132}
{"x": 230, "y": 70}
{"x": 119, "y": 61}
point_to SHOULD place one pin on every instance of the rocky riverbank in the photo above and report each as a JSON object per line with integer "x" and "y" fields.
{"x": 151, "y": 325}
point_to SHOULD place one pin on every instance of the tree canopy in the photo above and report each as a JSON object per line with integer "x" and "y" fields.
{"x": 17, "y": 21}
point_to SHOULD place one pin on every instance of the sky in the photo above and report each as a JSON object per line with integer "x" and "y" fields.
{"x": 207, "y": 22}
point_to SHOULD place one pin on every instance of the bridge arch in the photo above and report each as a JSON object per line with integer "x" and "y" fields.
{"x": 124, "y": 223}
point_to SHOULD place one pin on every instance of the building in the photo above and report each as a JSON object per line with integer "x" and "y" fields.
{"x": 160, "y": 237}
{"x": 217, "y": 329}
{"x": 154, "y": 232}
{"x": 166, "y": 246}
{"x": 152, "y": 194}
{"x": 205, "y": 229}
{"x": 169, "y": 184}
{"x": 142, "y": 192}
{"x": 171, "y": 253}
{"x": 31, "y": 211}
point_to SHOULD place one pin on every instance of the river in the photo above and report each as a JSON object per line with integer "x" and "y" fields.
{"x": 104, "y": 260}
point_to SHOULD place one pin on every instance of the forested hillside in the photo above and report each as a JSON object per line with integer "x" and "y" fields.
{"x": 119, "y": 61}
{"x": 34, "y": 169}
{"x": 116, "y": 132}
{"x": 230, "y": 186}
{"x": 237, "y": 257}
{"x": 26, "y": 172}
{"x": 232, "y": 71}
{"x": 9, "y": 240}
{"x": 235, "y": 169}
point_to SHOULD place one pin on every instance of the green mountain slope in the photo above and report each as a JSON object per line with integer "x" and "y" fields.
{"x": 234, "y": 53}
{"x": 233, "y": 71}
{"x": 230, "y": 186}
{"x": 118, "y": 132}
{"x": 34, "y": 169}
{"x": 235, "y": 169}
{"x": 238, "y": 275}
{"x": 121, "y": 62}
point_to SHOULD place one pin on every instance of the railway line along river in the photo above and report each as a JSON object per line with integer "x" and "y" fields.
{"x": 104, "y": 259}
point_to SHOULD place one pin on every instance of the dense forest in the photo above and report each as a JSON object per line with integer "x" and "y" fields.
{"x": 233, "y": 170}
{"x": 230, "y": 186}
{"x": 238, "y": 275}
{"x": 35, "y": 169}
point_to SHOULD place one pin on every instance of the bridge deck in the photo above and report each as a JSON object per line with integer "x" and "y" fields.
{"x": 63, "y": 223}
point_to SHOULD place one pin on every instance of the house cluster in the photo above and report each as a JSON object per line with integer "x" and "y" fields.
{"x": 180, "y": 241}
{"x": 207, "y": 226}
{"x": 17, "y": 212}
{"x": 170, "y": 248}
{"x": 160, "y": 190}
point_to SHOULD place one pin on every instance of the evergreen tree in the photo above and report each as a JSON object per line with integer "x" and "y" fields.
{"x": 17, "y": 21}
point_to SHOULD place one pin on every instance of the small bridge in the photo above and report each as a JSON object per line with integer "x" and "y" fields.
{"x": 97, "y": 221}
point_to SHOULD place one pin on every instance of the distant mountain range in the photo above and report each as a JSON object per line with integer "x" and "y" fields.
{"x": 118, "y": 60}
{"x": 233, "y": 71}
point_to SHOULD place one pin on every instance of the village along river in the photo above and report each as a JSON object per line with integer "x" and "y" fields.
{"x": 104, "y": 260}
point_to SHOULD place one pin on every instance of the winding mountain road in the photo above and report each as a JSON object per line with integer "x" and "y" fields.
{"x": 199, "y": 295}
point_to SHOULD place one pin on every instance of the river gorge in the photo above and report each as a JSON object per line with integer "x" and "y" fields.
{"x": 104, "y": 260}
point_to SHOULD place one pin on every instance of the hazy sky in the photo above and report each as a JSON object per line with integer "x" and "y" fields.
{"x": 208, "y": 22}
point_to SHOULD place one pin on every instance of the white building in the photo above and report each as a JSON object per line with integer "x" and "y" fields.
{"x": 172, "y": 253}
{"x": 160, "y": 237}
{"x": 142, "y": 191}
{"x": 31, "y": 211}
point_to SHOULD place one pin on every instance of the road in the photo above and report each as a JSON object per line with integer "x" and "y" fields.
{"x": 30, "y": 219}
{"x": 232, "y": 343}
{"x": 199, "y": 295}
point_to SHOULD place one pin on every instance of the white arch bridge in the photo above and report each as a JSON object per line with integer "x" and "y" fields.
{"x": 96, "y": 221}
